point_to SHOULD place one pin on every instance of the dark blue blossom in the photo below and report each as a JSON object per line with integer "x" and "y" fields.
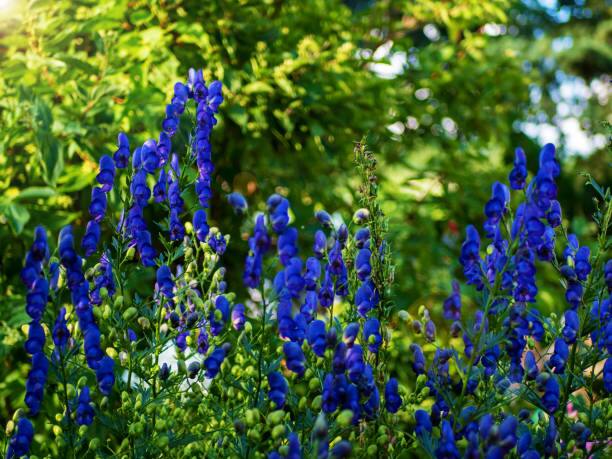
{"x": 19, "y": 444}
{"x": 496, "y": 207}
{"x": 220, "y": 315}
{"x": 326, "y": 292}
{"x": 418, "y": 359}
{"x": 238, "y": 202}
{"x": 294, "y": 358}
{"x": 36, "y": 338}
{"x": 35, "y": 383}
{"x": 354, "y": 362}
{"x": 531, "y": 367}
{"x": 554, "y": 214}
{"x": 278, "y": 388}
{"x": 312, "y": 274}
{"x": 316, "y": 337}
{"x": 106, "y": 176}
{"x": 37, "y": 297}
{"x": 238, "y": 318}
{"x": 213, "y": 362}
{"x": 470, "y": 257}
{"x": 104, "y": 279}
{"x": 278, "y": 207}
{"x": 607, "y": 375}
{"x": 122, "y": 155}
{"x": 84, "y": 412}
{"x": 393, "y": 401}
{"x": 60, "y": 330}
{"x": 217, "y": 242}
{"x": 366, "y": 298}
{"x": 447, "y": 448}
{"x": 363, "y": 267}
{"x": 342, "y": 449}
{"x": 371, "y": 334}
{"x": 518, "y": 174}
{"x": 140, "y": 189}
{"x": 165, "y": 284}
{"x": 90, "y": 241}
{"x": 551, "y": 396}
{"x": 324, "y": 219}
{"x": 149, "y": 156}
{"x": 423, "y": 423}
{"x": 572, "y": 326}
{"x": 105, "y": 375}
{"x": 320, "y": 244}
{"x": 287, "y": 245}
{"x": 159, "y": 189}
{"x": 200, "y": 225}
{"x": 97, "y": 206}
{"x": 452, "y": 304}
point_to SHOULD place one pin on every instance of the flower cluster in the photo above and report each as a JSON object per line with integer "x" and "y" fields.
{"x": 303, "y": 365}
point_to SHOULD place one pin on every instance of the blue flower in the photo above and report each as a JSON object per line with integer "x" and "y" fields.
{"x": 354, "y": 363}
{"x": 19, "y": 444}
{"x": 447, "y": 449}
{"x": 371, "y": 334}
{"x": 278, "y": 388}
{"x": 122, "y": 155}
{"x": 470, "y": 257}
{"x": 238, "y": 318}
{"x": 572, "y": 326}
{"x": 159, "y": 189}
{"x": 496, "y": 207}
{"x": 97, "y": 206}
{"x": 287, "y": 245}
{"x": 105, "y": 375}
{"x": 607, "y": 375}
{"x": 324, "y": 219}
{"x": 518, "y": 174}
{"x": 330, "y": 395}
{"x": 295, "y": 451}
{"x": 220, "y": 315}
{"x": 37, "y": 297}
{"x": 202, "y": 341}
{"x": 106, "y": 176}
{"x": 213, "y": 362}
{"x": 554, "y": 214}
{"x": 84, "y": 411}
{"x": 91, "y": 344}
{"x": 452, "y": 305}
{"x": 423, "y": 423}
{"x": 140, "y": 189}
{"x": 418, "y": 359}
{"x": 35, "y": 383}
{"x": 316, "y": 337}
{"x": 36, "y": 338}
{"x": 145, "y": 248}
{"x": 165, "y": 284}
{"x": 320, "y": 244}
{"x": 550, "y": 399}
{"x": 238, "y": 202}
{"x": 200, "y": 225}
{"x": 294, "y": 358}
{"x": 393, "y": 401}
{"x": 312, "y": 274}
{"x": 90, "y": 241}
{"x": 217, "y": 242}
{"x": 342, "y": 449}
{"x": 149, "y": 157}
{"x": 363, "y": 267}
{"x": 60, "y": 330}
{"x": 366, "y": 298}
{"x": 326, "y": 292}
{"x": 531, "y": 367}
{"x": 278, "y": 207}
{"x": 177, "y": 229}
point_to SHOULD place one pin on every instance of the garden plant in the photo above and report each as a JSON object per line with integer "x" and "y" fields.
{"x": 140, "y": 348}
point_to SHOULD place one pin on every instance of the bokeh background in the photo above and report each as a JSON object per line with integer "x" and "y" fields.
{"x": 443, "y": 91}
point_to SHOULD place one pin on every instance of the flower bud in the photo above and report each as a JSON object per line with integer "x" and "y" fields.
{"x": 130, "y": 313}
{"x": 345, "y": 418}
{"x": 10, "y": 427}
{"x": 278, "y": 431}
{"x": 275, "y": 417}
{"x": 129, "y": 255}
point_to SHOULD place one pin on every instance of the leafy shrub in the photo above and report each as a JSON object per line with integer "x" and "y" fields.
{"x": 140, "y": 350}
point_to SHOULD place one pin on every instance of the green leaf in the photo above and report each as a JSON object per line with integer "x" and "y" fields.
{"x": 17, "y": 216}
{"x": 35, "y": 192}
